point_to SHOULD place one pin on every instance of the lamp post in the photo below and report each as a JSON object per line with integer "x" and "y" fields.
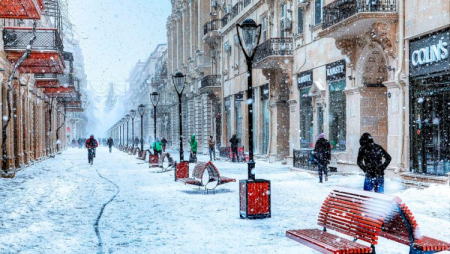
{"x": 132, "y": 114}
{"x": 154, "y": 98}
{"x": 182, "y": 168}
{"x": 252, "y": 191}
{"x": 120, "y": 133}
{"x": 141, "y": 110}
{"x": 179, "y": 81}
{"x": 127, "y": 118}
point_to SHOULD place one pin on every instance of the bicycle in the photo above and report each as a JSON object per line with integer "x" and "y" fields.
{"x": 91, "y": 156}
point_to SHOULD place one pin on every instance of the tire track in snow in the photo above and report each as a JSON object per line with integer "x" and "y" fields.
{"x": 99, "y": 216}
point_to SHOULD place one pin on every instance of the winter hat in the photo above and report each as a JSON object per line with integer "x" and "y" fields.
{"x": 365, "y": 139}
{"x": 321, "y": 135}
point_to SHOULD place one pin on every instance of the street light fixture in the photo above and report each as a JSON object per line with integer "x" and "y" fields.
{"x": 132, "y": 114}
{"x": 127, "y": 118}
{"x": 141, "y": 110}
{"x": 252, "y": 190}
{"x": 179, "y": 81}
{"x": 251, "y": 33}
{"x": 154, "y": 98}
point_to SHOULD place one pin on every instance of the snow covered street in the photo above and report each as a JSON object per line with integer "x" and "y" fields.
{"x": 52, "y": 207}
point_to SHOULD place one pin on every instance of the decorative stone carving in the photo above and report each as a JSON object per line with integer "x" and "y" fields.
{"x": 381, "y": 34}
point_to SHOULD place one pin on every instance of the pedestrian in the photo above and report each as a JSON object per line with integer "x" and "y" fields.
{"x": 74, "y": 143}
{"x": 157, "y": 147}
{"x": 80, "y": 143}
{"x": 110, "y": 143}
{"x": 164, "y": 144}
{"x": 322, "y": 155}
{"x": 193, "y": 143}
{"x": 234, "y": 147}
{"x": 212, "y": 148}
{"x": 136, "y": 141}
{"x": 370, "y": 160}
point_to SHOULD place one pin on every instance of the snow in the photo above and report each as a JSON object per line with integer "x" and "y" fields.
{"x": 52, "y": 206}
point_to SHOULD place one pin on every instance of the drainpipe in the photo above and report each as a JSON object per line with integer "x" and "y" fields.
{"x": 398, "y": 83}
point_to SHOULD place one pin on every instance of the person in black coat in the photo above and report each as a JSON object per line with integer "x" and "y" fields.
{"x": 322, "y": 155}
{"x": 110, "y": 143}
{"x": 234, "y": 147}
{"x": 370, "y": 160}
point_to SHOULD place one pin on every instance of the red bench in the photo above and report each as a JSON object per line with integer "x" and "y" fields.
{"x": 364, "y": 216}
{"x": 211, "y": 181}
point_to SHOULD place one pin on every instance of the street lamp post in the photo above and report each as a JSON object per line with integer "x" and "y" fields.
{"x": 182, "y": 168}
{"x": 132, "y": 114}
{"x": 252, "y": 190}
{"x": 123, "y": 133}
{"x": 154, "y": 98}
{"x": 127, "y": 118}
{"x": 141, "y": 110}
{"x": 120, "y": 133}
{"x": 179, "y": 81}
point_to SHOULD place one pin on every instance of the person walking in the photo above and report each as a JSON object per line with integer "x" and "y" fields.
{"x": 322, "y": 155}
{"x": 212, "y": 148}
{"x": 157, "y": 147}
{"x": 193, "y": 143}
{"x": 164, "y": 144}
{"x": 370, "y": 160}
{"x": 234, "y": 147}
{"x": 110, "y": 143}
{"x": 74, "y": 143}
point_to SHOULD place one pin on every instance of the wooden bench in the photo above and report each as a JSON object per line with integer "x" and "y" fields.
{"x": 364, "y": 216}
{"x": 210, "y": 182}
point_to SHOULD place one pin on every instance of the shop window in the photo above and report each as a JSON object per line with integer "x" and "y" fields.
{"x": 318, "y": 12}
{"x": 337, "y": 116}
{"x": 283, "y": 21}
{"x": 300, "y": 21}
{"x": 306, "y": 119}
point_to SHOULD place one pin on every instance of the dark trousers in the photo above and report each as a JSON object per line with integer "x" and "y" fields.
{"x": 323, "y": 169}
{"x": 110, "y": 148}
{"x": 374, "y": 183}
{"x": 234, "y": 152}
{"x": 157, "y": 153}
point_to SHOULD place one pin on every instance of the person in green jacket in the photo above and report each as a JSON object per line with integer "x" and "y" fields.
{"x": 193, "y": 144}
{"x": 157, "y": 147}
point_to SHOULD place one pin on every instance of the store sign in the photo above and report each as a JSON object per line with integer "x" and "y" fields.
{"x": 430, "y": 54}
{"x": 336, "y": 70}
{"x": 304, "y": 79}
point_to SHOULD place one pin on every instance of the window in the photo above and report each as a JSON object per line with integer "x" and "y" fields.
{"x": 318, "y": 12}
{"x": 300, "y": 21}
{"x": 337, "y": 117}
{"x": 283, "y": 21}
{"x": 264, "y": 29}
{"x": 306, "y": 119}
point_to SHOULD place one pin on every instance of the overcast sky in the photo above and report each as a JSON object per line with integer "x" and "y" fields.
{"x": 115, "y": 34}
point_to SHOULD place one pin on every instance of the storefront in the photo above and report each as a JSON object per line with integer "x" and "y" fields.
{"x": 429, "y": 71}
{"x": 238, "y": 99}
{"x": 337, "y": 111}
{"x": 227, "y": 105}
{"x": 304, "y": 82}
{"x": 265, "y": 117}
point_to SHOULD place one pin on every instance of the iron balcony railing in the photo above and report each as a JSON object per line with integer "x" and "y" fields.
{"x": 226, "y": 19}
{"x": 275, "y": 47}
{"x": 212, "y": 25}
{"x": 340, "y": 10}
{"x": 211, "y": 81}
{"x": 64, "y": 79}
{"x": 157, "y": 80}
{"x": 19, "y": 39}
{"x": 235, "y": 10}
{"x": 301, "y": 159}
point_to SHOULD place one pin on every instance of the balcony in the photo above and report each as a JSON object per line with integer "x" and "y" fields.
{"x": 211, "y": 30}
{"x": 74, "y": 106}
{"x": 60, "y": 92}
{"x": 210, "y": 83}
{"x": 274, "y": 53}
{"x": 21, "y": 9}
{"x": 53, "y": 80}
{"x": 157, "y": 81}
{"x": 46, "y": 53}
{"x": 226, "y": 19}
{"x": 357, "y": 14}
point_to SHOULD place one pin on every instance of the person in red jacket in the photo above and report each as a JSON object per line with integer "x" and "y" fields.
{"x": 92, "y": 143}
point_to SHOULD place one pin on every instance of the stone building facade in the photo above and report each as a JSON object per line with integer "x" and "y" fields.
{"x": 341, "y": 68}
{"x": 38, "y": 93}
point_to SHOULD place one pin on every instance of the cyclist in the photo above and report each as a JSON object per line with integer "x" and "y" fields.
{"x": 92, "y": 143}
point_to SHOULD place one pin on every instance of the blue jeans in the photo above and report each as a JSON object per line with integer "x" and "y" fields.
{"x": 211, "y": 152}
{"x": 374, "y": 183}
{"x": 324, "y": 169}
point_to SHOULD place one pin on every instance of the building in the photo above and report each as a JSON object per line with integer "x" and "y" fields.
{"x": 37, "y": 82}
{"x": 341, "y": 68}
